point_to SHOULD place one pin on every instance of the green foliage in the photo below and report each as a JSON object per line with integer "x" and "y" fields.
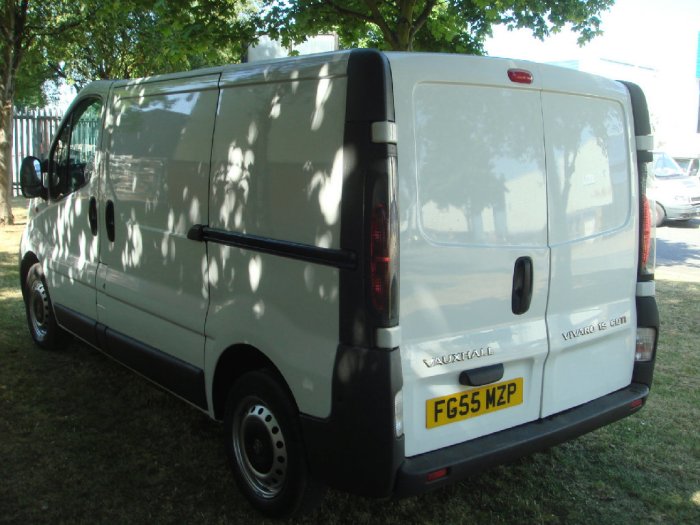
{"x": 31, "y": 89}
{"x": 426, "y": 25}
{"x": 85, "y": 40}
{"x": 31, "y": 30}
{"x": 135, "y": 38}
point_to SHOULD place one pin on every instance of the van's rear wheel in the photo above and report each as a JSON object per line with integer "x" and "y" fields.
{"x": 40, "y": 315}
{"x": 264, "y": 446}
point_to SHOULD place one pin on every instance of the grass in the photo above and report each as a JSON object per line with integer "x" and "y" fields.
{"x": 83, "y": 440}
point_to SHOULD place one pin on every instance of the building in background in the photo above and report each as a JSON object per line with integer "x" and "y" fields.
{"x": 267, "y": 49}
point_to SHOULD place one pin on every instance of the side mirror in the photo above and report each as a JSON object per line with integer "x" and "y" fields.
{"x": 30, "y": 178}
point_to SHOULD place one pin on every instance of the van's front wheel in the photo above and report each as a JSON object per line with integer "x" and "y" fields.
{"x": 264, "y": 446}
{"x": 40, "y": 315}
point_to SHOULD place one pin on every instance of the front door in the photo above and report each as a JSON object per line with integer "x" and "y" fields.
{"x": 70, "y": 234}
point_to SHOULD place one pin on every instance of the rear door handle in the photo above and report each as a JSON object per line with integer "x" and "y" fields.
{"x": 109, "y": 220}
{"x": 522, "y": 285}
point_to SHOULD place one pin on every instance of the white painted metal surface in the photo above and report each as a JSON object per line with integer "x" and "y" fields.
{"x": 277, "y": 172}
{"x": 490, "y": 171}
{"x": 592, "y": 203}
{"x": 152, "y": 284}
{"x": 60, "y": 233}
{"x": 472, "y": 201}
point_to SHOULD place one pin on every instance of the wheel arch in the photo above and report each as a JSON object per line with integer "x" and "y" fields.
{"x": 28, "y": 260}
{"x": 235, "y": 361}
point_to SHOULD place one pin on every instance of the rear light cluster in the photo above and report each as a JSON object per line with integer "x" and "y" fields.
{"x": 647, "y": 225}
{"x": 383, "y": 248}
{"x": 379, "y": 258}
{"x": 644, "y": 350}
{"x": 648, "y": 241}
{"x": 646, "y": 230}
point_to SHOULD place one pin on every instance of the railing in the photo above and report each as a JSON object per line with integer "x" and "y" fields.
{"x": 32, "y": 133}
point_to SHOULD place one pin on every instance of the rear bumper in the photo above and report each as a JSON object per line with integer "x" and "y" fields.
{"x": 356, "y": 448}
{"x": 468, "y": 458}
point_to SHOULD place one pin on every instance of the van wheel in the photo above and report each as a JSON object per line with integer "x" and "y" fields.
{"x": 265, "y": 449}
{"x": 660, "y": 214}
{"x": 40, "y": 315}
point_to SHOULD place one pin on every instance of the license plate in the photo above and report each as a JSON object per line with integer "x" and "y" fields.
{"x": 472, "y": 403}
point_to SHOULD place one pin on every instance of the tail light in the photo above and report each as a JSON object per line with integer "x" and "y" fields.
{"x": 646, "y": 231}
{"x": 380, "y": 260}
{"x": 647, "y": 237}
{"x": 644, "y": 350}
{"x": 383, "y": 248}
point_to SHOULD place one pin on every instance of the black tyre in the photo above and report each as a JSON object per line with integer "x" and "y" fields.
{"x": 40, "y": 315}
{"x": 660, "y": 214}
{"x": 265, "y": 449}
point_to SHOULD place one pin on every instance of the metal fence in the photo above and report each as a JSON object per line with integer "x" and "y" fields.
{"x": 32, "y": 133}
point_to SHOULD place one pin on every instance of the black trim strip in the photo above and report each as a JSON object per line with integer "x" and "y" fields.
{"x": 176, "y": 375}
{"x": 343, "y": 259}
{"x": 78, "y": 324}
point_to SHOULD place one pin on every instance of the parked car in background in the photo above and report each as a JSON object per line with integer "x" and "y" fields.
{"x": 677, "y": 195}
{"x": 689, "y": 165}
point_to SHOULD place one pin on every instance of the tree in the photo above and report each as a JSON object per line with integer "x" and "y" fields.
{"x": 23, "y": 25}
{"x": 427, "y": 25}
{"x": 136, "y": 38}
{"x": 84, "y": 40}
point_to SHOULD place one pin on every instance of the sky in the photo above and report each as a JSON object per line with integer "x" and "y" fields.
{"x": 662, "y": 34}
{"x": 658, "y": 37}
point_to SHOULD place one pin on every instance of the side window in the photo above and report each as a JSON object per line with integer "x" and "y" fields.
{"x": 72, "y": 161}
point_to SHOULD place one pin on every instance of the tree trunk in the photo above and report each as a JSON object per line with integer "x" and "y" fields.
{"x": 6, "y": 217}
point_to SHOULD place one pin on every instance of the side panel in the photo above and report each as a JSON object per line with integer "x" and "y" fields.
{"x": 152, "y": 283}
{"x": 593, "y": 237}
{"x": 278, "y": 175}
{"x": 472, "y": 202}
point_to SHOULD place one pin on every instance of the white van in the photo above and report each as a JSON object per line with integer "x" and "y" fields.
{"x": 382, "y": 271}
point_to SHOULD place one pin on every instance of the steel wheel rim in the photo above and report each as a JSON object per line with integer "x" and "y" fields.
{"x": 260, "y": 448}
{"x": 39, "y": 310}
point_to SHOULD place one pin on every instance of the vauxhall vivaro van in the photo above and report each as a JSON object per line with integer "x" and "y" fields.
{"x": 381, "y": 271}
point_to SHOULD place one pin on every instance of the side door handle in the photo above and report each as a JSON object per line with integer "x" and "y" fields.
{"x": 92, "y": 215}
{"x": 109, "y": 220}
{"x": 522, "y": 285}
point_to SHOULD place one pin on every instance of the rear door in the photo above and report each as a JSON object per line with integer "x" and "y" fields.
{"x": 473, "y": 222}
{"x": 592, "y": 196}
